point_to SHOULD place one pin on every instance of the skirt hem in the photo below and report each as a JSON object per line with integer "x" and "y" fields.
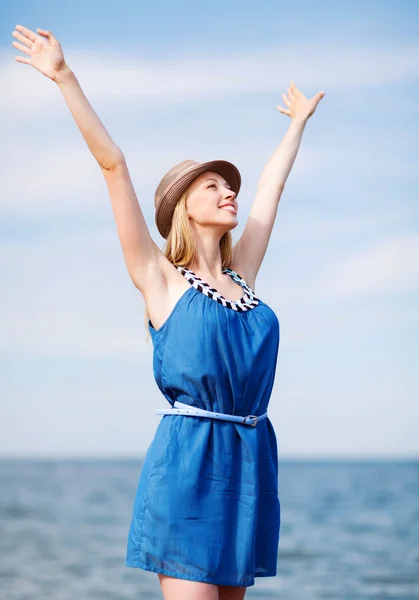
{"x": 200, "y": 578}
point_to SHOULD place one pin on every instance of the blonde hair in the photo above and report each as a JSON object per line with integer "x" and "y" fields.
{"x": 180, "y": 248}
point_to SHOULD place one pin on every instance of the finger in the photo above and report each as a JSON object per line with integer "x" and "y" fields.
{"x": 286, "y": 101}
{"x": 29, "y": 34}
{"x": 294, "y": 88}
{"x": 285, "y": 112}
{"x": 290, "y": 94}
{"x": 21, "y": 47}
{"x": 317, "y": 97}
{"x": 22, "y": 38}
{"x": 46, "y": 34}
{"x": 23, "y": 60}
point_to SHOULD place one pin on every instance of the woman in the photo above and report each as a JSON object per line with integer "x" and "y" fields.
{"x": 206, "y": 515}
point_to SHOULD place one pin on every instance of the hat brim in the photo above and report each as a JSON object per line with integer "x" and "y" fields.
{"x": 171, "y": 195}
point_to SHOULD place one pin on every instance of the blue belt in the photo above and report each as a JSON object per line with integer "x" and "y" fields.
{"x": 193, "y": 411}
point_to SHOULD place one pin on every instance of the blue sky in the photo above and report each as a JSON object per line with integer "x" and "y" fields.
{"x": 172, "y": 81}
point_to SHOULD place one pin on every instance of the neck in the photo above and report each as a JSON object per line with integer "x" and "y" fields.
{"x": 208, "y": 256}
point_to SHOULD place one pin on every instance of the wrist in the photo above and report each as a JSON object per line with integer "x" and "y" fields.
{"x": 63, "y": 75}
{"x": 299, "y": 122}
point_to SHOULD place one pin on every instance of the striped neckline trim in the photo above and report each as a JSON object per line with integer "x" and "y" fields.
{"x": 246, "y": 302}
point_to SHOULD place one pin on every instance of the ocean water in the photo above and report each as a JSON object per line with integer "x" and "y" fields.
{"x": 350, "y": 531}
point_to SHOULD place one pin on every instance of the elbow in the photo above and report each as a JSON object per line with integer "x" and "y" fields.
{"x": 112, "y": 161}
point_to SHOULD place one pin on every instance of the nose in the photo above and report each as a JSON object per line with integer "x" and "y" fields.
{"x": 230, "y": 194}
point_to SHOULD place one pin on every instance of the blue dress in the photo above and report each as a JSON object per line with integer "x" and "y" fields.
{"x": 207, "y": 507}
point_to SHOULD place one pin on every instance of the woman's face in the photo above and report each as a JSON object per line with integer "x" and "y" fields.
{"x": 208, "y": 192}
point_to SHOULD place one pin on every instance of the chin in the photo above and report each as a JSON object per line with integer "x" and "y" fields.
{"x": 232, "y": 226}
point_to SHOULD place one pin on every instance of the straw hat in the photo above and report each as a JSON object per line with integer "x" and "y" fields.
{"x": 175, "y": 181}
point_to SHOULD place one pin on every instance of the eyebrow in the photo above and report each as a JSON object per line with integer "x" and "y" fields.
{"x": 216, "y": 180}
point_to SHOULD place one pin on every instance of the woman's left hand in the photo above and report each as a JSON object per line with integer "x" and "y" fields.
{"x": 300, "y": 108}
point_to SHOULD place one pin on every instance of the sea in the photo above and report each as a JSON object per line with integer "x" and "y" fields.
{"x": 349, "y": 531}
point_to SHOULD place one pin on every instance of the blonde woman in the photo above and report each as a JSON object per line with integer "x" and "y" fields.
{"x": 206, "y": 514}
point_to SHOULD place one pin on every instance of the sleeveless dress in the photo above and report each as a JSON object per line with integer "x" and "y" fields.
{"x": 207, "y": 507}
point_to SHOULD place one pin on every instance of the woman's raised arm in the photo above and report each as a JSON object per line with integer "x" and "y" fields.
{"x": 142, "y": 256}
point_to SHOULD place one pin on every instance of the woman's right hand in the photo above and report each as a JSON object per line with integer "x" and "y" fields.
{"x": 45, "y": 54}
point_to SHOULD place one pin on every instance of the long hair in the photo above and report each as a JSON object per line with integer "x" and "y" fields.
{"x": 180, "y": 248}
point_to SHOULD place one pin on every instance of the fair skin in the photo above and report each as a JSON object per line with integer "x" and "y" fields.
{"x": 182, "y": 589}
{"x": 156, "y": 278}
{"x": 207, "y": 193}
{"x": 209, "y": 222}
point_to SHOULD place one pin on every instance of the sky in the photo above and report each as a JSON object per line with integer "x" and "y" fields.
{"x": 179, "y": 80}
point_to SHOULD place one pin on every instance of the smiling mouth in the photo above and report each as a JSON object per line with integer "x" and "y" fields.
{"x": 230, "y": 209}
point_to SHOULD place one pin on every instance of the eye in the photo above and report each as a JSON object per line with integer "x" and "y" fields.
{"x": 212, "y": 185}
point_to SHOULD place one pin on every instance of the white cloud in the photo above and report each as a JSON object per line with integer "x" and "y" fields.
{"x": 108, "y": 77}
{"x": 386, "y": 267}
{"x": 67, "y": 302}
{"x": 48, "y": 169}
{"x": 48, "y": 178}
{"x": 40, "y": 182}
{"x": 341, "y": 274}
{"x": 70, "y": 295}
